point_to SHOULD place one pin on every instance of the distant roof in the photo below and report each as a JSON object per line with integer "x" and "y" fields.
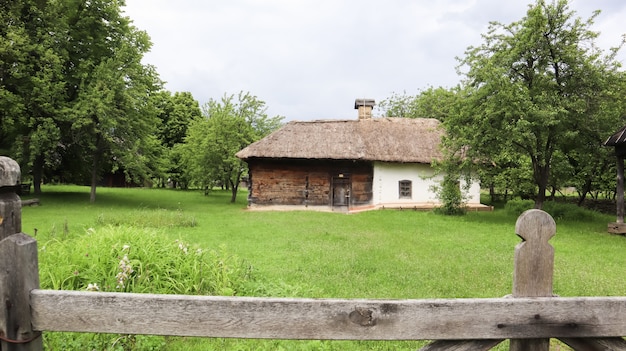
{"x": 616, "y": 139}
{"x": 377, "y": 139}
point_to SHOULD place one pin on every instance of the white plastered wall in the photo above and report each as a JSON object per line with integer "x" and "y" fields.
{"x": 388, "y": 175}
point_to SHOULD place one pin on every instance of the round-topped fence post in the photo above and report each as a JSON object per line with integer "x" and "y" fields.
{"x": 534, "y": 267}
{"x": 10, "y": 203}
{"x": 18, "y": 267}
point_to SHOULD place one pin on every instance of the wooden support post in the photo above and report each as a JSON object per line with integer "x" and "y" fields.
{"x": 620, "y": 190}
{"x": 619, "y": 227}
{"x": 18, "y": 267}
{"x": 534, "y": 266}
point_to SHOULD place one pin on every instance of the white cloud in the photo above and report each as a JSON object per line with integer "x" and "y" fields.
{"x": 310, "y": 59}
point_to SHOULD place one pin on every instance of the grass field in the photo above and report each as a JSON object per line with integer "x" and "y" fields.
{"x": 377, "y": 254}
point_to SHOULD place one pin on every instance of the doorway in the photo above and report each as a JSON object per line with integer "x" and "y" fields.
{"x": 341, "y": 187}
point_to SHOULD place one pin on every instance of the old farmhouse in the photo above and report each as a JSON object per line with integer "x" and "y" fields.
{"x": 347, "y": 165}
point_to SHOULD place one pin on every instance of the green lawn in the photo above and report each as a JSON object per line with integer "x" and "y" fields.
{"x": 376, "y": 254}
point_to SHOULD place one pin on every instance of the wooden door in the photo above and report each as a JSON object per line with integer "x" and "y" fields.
{"x": 341, "y": 192}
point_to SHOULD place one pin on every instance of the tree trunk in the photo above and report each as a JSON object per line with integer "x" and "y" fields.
{"x": 584, "y": 191}
{"x": 552, "y": 193}
{"x": 542, "y": 174}
{"x": 94, "y": 180}
{"x": 94, "y": 173}
{"x": 492, "y": 192}
{"x": 234, "y": 186}
{"x": 37, "y": 174}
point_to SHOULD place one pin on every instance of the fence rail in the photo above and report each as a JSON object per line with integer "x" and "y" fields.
{"x": 331, "y": 319}
{"x": 529, "y": 317}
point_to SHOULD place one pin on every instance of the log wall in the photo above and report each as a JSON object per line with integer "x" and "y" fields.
{"x": 306, "y": 183}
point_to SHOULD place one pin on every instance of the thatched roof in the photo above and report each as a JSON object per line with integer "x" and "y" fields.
{"x": 618, "y": 138}
{"x": 377, "y": 139}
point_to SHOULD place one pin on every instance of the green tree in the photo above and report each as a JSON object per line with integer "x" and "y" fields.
{"x": 112, "y": 120}
{"x": 31, "y": 85}
{"x": 176, "y": 113}
{"x": 430, "y": 103}
{"x": 228, "y": 126}
{"x": 533, "y": 88}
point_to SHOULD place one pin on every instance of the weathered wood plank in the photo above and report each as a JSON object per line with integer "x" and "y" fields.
{"x": 534, "y": 266}
{"x": 18, "y": 276}
{"x": 534, "y": 256}
{"x": 30, "y": 202}
{"x": 461, "y": 345}
{"x": 10, "y": 214}
{"x": 596, "y": 344}
{"x": 244, "y": 317}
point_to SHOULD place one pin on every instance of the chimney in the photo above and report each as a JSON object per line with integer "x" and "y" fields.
{"x": 365, "y": 107}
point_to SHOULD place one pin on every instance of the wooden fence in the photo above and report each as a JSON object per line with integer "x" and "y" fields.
{"x": 530, "y": 316}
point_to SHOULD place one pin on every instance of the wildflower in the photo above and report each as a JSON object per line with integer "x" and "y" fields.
{"x": 125, "y": 270}
{"x": 92, "y": 287}
{"x": 125, "y": 247}
{"x": 183, "y": 247}
{"x": 91, "y": 231}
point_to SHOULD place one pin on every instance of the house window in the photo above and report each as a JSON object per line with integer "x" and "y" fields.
{"x": 405, "y": 189}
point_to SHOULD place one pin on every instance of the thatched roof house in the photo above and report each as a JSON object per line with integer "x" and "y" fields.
{"x": 346, "y": 164}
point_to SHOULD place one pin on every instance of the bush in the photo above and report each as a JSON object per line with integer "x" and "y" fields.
{"x": 517, "y": 207}
{"x": 558, "y": 210}
{"x": 451, "y": 197}
{"x": 569, "y": 212}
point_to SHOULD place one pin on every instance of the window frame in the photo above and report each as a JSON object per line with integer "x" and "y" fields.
{"x": 405, "y": 189}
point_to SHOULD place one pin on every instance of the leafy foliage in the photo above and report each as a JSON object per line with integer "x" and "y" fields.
{"x": 536, "y": 89}
{"x": 176, "y": 113}
{"x": 74, "y": 98}
{"x": 430, "y": 103}
{"x": 228, "y": 126}
{"x": 31, "y": 83}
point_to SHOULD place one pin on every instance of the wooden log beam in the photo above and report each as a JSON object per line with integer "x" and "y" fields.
{"x": 461, "y": 345}
{"x": 332, "y": 319}
{"x": 596, "y": 344}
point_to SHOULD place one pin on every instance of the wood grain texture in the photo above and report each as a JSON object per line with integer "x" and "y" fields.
{"x": 596, "y": 344}
{"x": 10, "y": 215}
{"x": 534, "y": 256}
{"x": 246, "y": 317}
{"x": 461, "y": 345}
{"x": 18, "y": 276}
{"x": 534, "y": 266}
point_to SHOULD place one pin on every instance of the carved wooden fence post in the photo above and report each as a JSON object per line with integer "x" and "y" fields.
{"x": 18, "y": 267}
{"x": 534, "y": 267}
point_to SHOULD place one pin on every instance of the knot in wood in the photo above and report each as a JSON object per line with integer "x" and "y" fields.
{"x": 362, "y": 317}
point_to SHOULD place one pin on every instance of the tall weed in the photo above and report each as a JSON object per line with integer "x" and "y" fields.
{"x": 130, "y": 259}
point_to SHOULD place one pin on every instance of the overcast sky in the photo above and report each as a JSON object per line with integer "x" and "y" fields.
{"x": 310, "y": 59}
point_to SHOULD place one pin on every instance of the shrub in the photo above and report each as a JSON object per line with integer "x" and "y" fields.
{"x": 568, "y": 212}
{"x": 451, "y": 197}
{"x": 517, "y": 207}
{"x": 558, "y": 210}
